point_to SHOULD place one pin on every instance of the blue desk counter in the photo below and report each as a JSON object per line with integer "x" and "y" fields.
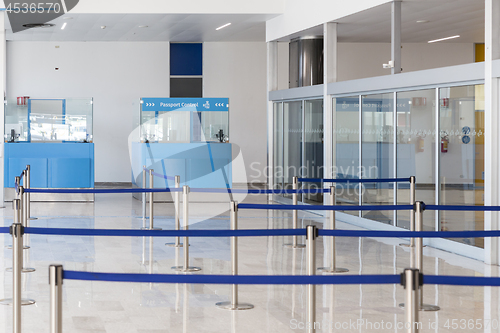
{"x": 200, "y": 165}
{"x": 53, "y": 165}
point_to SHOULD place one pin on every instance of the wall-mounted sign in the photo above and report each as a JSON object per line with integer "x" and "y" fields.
{"x": 466, "y": 139}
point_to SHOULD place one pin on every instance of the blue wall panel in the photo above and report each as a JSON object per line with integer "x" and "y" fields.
{"x": 186, "y": 59}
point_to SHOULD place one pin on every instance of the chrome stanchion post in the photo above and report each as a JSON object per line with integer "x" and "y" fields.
{"x": 17, "y": 231}
{"x": 176, "y": 216}
{"x": 144, "y": 197}
{"x": 233, "y": 304}
{"x": 295, "y": 214}
{"x": 27, "y": 176}
{"x": 419, "y": 245}
{"x": 410, "y": 279}
{"x": 151, "y": 201}
{"x": 333, "y": 264}
{"x": 56, "y": 282}
{"x": 312, "y": 233}
{"x": 412, "y": 213}
{"x": 185, "y": 217}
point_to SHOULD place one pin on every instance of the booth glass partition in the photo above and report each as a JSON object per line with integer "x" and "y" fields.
{"x": 278, "y": 145}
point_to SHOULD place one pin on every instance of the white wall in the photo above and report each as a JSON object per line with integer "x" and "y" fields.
{"x": 238, "y": 70}
{"x": 353, "y": 62}
{"x": 115, "y": 74}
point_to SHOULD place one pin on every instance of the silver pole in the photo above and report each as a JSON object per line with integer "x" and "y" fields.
{"x": 144, "y": 197}
{"x": 17, "y": 264}
{"x": 27, "y": 176}
{"x": 419, "y": 249}
{"x": 176, "y": 214}
{"x": 295, "y": 214}
{"x": 412, "y": 213}
{"x": 311, "y": 270}
{"x": 56, "y": 282}
{"x": 411, "y": 283}
{"x": 233, "y": 304}
{"x": 151, "y": 202}
{"x": 24, "y": 221}
{"x": 185, "y": 218}
{"x": 333, "y": 265}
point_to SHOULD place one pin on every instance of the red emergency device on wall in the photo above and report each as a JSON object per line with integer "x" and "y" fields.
{"x": 444, "y": 144}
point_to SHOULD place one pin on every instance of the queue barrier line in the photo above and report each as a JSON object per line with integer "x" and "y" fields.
{"x": 456, "y": 280}
{"x": 463, "y": 208}
{"x": 164, "y": 233}
{"x": 381, "y": 180}
{"x": 156, "y": 190}
{"x": 4, "y": 230}
{"x": 409, "y": 234}
{"x": 233, "y": 279}
{"x": 255, "y": 233}
{"x": 324, "y": 207}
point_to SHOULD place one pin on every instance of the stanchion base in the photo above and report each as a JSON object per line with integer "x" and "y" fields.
{"x": 24, "y": 301}
{"x": 229, "y": 306}
{"x": 175, "y": 245}
{"x": 147, "y": 228}
{"x": 424, "y": 307}
{"x": 33, "y": 218}
{"x": 296, "y": 246}
{"x": 9, "y": 247}
{"x": 24, "y": 270}
{"x": 189, "y": 269}
{"x": 334, "y": 270}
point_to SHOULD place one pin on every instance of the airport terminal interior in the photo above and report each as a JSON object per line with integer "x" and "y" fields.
{"x": 264, "y": 166}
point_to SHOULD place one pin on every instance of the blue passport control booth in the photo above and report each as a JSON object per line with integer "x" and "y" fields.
{"x": 186, "y": 137}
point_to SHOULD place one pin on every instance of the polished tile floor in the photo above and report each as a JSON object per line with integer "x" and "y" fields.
{"x": 154, "y": 308}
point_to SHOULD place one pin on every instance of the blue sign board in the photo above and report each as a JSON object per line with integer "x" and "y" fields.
{"x": 466, "y": 139}
{"x": 185, "y": 104}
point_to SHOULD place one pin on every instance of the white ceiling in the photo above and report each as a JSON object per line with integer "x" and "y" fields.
{"x": 446, "y": 18}
{"x": 161, "y": 27}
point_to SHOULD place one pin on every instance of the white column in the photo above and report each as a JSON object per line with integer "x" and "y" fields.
{"x": 329, "y": 76}
{"x": 492, "y": 125}
{"x": 396, "y": 36}
{"x": 272, "y": 84}
{"x": 3, "y": 69}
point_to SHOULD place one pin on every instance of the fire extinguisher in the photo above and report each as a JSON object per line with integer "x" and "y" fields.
{"x": 444, "y": 144}
{"x": 420, "y": 144}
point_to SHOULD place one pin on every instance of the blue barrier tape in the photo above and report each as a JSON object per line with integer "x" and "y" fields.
{"x": 101, "y": 190}
{"x": 464, "y": 208}
{"x": 311, "y": 207}
{"x": 163, "y": 176}
{"x": 22, "y": 175}
{"x": 234, "y": 279}
{"x": 409, "y": 234}
{"x": 165, "y": 233}
{"x": 4, "y": 230}
{"x": 462, "y": 280}
{"x": 220, "y": 190}
{"x": 381, "y": 180}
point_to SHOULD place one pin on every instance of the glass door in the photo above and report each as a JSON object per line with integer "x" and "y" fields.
{"x": 313, "y": 148}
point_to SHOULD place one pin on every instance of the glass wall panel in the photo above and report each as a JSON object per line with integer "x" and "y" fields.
{"x": 278, "y": 145}
{"x": 416, "y": 146}
{"x": 292, "y": 142}
{"x": 377, "y": 153}
{"x": 346, "y": 157}
{"x": 461, "y": 111}
{"x": 313, "y": 148}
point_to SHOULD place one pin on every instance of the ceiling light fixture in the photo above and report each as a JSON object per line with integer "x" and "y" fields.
{"x": 103, "y": 27}
{"x": 64, "y": 26}
{"x": 223, "y": 26}
{"x": 423, "y": 21}
{"x": 441, "y": 39}
{"x": 143, "y": 26}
